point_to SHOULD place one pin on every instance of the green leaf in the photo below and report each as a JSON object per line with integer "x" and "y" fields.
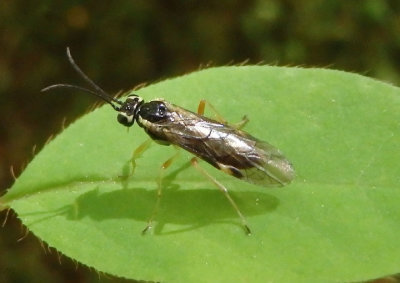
{"x": 338, "y": 221}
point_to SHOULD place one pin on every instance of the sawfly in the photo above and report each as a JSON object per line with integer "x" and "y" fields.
{"x": 226, "y": 147}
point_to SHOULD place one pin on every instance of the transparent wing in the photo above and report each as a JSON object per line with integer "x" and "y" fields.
{"x": 233, "y": 151}
{"x": 270, "y": 168}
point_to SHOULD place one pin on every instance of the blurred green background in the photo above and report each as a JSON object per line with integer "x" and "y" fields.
{"x": 121, "y": 44}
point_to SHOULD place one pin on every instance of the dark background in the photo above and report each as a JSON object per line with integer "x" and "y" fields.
{"x": 123, "y": 43}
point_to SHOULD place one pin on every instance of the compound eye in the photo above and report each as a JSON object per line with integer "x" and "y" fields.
{"x": 162, "y": 109}
{"x": 154, "y": 111}
{"x": 126, "y": 120}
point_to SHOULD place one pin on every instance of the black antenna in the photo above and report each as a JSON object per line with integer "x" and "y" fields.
{"x": 98, "y": 91}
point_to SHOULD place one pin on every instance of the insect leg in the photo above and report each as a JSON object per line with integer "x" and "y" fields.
{"x": 202, "y": 106}
{"x": 239, "y": 125}
{"x": 138, "y": 153}
{"x": 163, "y": 167}
{"x": 224, "y": 190}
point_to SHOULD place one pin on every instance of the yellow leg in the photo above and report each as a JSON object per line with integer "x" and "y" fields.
{"x": 224, "y": 190}
{"x": 239, "y": 125}
{"x": 163, "y": 167}
{"x": 138, "y": 153}
{"x": 202, "y": 106}
{"x": 219, "y": 118}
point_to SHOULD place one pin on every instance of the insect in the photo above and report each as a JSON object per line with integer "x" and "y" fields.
{"x": 224, "y": 146}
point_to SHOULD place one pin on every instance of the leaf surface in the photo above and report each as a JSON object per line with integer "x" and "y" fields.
{"x": 338, "y": 221}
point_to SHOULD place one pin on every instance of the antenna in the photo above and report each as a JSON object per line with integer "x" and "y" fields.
{"x": 98, "y": 91}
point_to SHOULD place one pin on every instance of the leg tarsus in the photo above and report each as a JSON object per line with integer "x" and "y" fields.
{"x": 147, "y": 228}
{"x": 241, "y": 124}
{"x": 247, "y": 230}
{"x": 224, "y": 190}
{"x": 163, "y": 167}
